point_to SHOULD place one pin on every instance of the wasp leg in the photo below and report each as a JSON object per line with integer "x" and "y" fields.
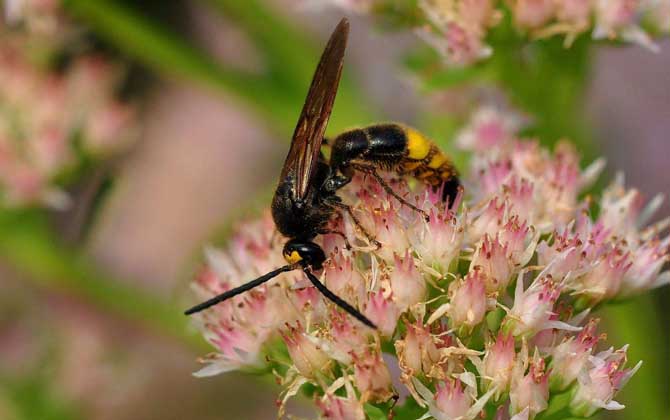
{"x": 273, "y": 237}
{"x": 339, "y": 233}
{"x": 338, "y": 300}
{"x": 373, "y": 171}
{"x": 335, "y": 202}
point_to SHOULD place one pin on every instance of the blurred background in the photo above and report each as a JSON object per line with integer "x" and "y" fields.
{"x": 91, "y": 296}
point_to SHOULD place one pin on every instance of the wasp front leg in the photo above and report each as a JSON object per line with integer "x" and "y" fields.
{"x": 336, "y": 203}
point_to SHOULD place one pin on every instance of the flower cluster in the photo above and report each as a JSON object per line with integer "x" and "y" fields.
{"x": 50, "y": 113}
{"x": 459, "y": 28}
{"x": 482, "y": 308}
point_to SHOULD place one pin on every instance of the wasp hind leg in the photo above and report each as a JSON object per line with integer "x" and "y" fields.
{"x": 336, "y": 203}
{"x": 338, "y": 233}
{"x": 371, "y": 170}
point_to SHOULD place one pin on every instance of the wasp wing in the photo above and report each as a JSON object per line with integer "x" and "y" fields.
{"x": 303, "y": 155}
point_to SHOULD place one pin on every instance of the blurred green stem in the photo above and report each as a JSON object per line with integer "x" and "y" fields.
{"x": 29, "y": 246}
{"x": 277, "y": 93}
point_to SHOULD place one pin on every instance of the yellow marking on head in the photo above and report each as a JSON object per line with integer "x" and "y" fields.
{"x": 437, "y": 160}
{"x": 418, "y": 146}
{"x": 293, "y": 257}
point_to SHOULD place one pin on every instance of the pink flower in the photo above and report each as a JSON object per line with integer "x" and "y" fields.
{"x": 489, "y": 128}
{"x": 604, "y": 280}
{"x": 529, "y": 390}
{"x": 492, "y": 261}
{"x": 498, "y": 363}
{"x": 335, "y": 407}
{"x": 307, "y": 355}
{"x": 646, "y": 263}
{"x": 451, "y": 400}
{"x": 533, "y": 308}
{"x": 407, "y": 283}
{"x": 347, "y": 337}
{"x": 342, "y": 278}
{"x": 418, "y": 353}
{"x": 468, "y": 301}
{"x": 571, "y": 356}
{"x": 372, "y": 377}
{"x": 382, "y": 311}
{"x": 532, "y": 14}
{"x": 603, "y": 378}
{"x": 438, "y": 241}
{"x": 524, "y": 221}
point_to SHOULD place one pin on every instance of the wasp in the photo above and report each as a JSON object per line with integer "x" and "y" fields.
{"x": 306, "y": 196}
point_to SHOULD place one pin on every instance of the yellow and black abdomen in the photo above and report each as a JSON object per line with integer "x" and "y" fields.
{"x": 398, "y": 148}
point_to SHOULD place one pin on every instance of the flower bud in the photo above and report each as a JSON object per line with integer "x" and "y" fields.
{"x": 451, "y": 400}
{"x": 603, "y": 378}
{"x": 407, "y": 282}
{"x": 571, "y": 356}
{"x": 498, "y": 364}
{"x": 530, "y": 390}
{"x": 307, "y": 356}
{"x": 372, "y": 377}
{"x": 383, "y": 312}
{"x": 468, "y": 301}
{"x": 491, "y": 260}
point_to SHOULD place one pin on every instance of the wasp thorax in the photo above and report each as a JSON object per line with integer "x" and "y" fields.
{"x": 304, "y": 252}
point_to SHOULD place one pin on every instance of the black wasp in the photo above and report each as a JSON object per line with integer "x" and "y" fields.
{"x": 306, "y": 197}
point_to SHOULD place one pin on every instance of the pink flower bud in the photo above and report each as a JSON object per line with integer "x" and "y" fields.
{"x": 340, "y": 408}
{"x": 468, "y": 301}
{"x": 604, "y": 280}
{"x": 532, "y": 14}
{"x": 603, "y": 378}
{"x": 451, "y": 400}
{"x": 532, "y": 308}
{"x": 307, "y": 356}
{"x": 438, "y": 241}
{"x": 418, "y": 352}
{"x": 491, "y": 260}
{"x": 407, "y": 282}
{"x": 570, "y": 357}
{"x": 530, "y": 390}
{"x": 372, "y": 377}
{"x": 487, "y": 222}
{"x": 498, "y": 364}
{"x": 382, "y": 312}
{"x": 347, "y": 336}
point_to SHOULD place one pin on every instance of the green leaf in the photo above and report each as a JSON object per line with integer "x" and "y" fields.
{"x": 374, "y": 413}
{"x": 409, "y": 410}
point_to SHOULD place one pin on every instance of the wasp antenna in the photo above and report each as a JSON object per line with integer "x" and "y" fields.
{"x": 338, "y": 301}
{"x": 240, "y": 289}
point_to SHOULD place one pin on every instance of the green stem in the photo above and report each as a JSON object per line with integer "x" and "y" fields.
{"x": 277, "y": 93}
{"x": 637, "y": 322}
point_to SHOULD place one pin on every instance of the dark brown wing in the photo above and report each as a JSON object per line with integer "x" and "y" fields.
{"x": 308, "y": 135}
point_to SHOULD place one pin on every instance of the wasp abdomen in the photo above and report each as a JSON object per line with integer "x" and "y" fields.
{"x": 398, "y": 148}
